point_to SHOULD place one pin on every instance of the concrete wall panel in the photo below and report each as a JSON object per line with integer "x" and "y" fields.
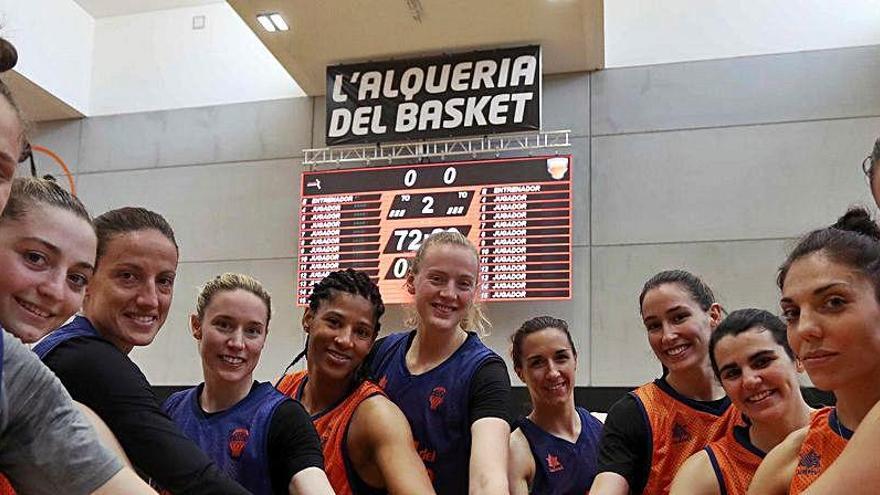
{"x": 738, "y": 91}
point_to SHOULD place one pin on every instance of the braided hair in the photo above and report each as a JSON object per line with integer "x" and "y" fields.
{"x": 346, "y": 281}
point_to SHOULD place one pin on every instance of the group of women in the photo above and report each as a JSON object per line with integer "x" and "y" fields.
{"x": 420, "y": 411}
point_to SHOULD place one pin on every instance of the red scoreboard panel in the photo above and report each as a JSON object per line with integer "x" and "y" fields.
{"x": 517, "y": 212}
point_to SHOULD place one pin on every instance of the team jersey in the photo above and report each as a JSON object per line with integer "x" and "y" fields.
{"x": 679, "y": 428}
{"x": 437, "y": 405}
{"x": 825, "y": 440}
{"x": 237, "y": 438}
{"x": 562, "y": 467}
{"x": 332, "y": 426}
{"x": 79, "y": 327}
{"x": 734, "y": 459}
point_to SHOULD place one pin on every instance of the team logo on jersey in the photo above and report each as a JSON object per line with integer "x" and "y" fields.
{"x": 238, "y": 441}
{"x": 436, "y": 397}
{"x": 553, "y": 464}
{"x": 809, "y": 463}
{"x": 680, "y": 433}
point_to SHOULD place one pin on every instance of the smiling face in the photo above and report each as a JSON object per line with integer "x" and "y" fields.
{"x": 444, "y": 287}
{"x": 11, "y": 144}
{"x": 341, "y": 333}
{"x": 47, "y": 258}
{"x": 548, "y": 366}
{"x": 678, "y": 329}
{"x": 833, "y": 320}
{"x": 231, "y": 335}
{"x": 758, "y": 375}
{"x": 129, "y": 296}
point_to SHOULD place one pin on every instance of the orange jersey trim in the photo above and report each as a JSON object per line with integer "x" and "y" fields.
{"x": 678, "y": 431}
{"x": 825, "y": 440}
{"x": 332, "y": 426}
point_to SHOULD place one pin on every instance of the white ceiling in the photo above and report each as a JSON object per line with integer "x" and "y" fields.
{"x": 108, "y": 8}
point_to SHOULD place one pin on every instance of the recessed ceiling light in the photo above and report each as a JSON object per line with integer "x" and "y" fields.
{"x": 279, "y": 22}
{"x": 272, "y": 22}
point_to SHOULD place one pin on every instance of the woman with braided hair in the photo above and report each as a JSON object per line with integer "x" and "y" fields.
{"x": 367, "y": 443}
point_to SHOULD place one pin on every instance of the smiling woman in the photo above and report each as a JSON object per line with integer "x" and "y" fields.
{"x": 273, "y": 446}
{"x": 757, "y": 368}
{"x": 650, "y": 432}
{"x": 125, "y": 305}
{"x": 452, "y": 388}
{"x": 368, "y": 447}
{"x": 554, "y": 448}
{"x": 830, "y": 285}
{"x": 47, "y": 256}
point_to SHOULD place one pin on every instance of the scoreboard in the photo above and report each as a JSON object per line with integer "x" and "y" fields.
{"x": 517, "y": 212}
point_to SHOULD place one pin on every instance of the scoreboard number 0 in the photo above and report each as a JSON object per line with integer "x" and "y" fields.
{"x": 401, "y": 266}
{"x": 449, "y": 175}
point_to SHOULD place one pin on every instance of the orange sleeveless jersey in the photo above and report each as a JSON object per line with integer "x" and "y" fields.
{"x": 332, "y": 427}
{"x": 677, "y": 432}
{"x": 824, "y": 442}
{"x": 734, "y": 462}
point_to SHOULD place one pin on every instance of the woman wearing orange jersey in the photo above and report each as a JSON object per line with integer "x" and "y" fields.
{"x": 367, "y": 443}
{"x": 651, "y": 431}
{"x": 830, "y": 284}
{"x": 757, "y": 368}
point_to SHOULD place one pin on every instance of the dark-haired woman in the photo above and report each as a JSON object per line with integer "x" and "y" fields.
{"x": 368, "y": 446}
{"x": 554, "y": 448}
{"x": 125, "y": 305}
{"x": 276, "y": 447}
{"x": 48, "y": 446}
{"x": 757, "y": 368}
{"x": 830, "y": 284}
{"x": 651, "y": 431}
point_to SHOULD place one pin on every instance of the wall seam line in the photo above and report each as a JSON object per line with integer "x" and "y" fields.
{"x": 733, "y": 126}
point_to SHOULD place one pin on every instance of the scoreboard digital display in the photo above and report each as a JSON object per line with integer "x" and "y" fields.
{"x": 517, "y": 212}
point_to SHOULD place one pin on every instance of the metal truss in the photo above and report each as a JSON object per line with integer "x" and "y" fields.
{"x": 389, "y": 153}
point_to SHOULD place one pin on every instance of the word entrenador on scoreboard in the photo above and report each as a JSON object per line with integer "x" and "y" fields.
{"x": 517, "y": 212}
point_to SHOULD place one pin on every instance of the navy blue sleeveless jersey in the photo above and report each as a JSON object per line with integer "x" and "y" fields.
{"x": 79, "y": 327}
{"x": 235, "y": 439}
{"x": 436, "y": 403}
{"x": 562, "y": 467}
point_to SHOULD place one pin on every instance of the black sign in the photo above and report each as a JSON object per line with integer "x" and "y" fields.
{"x": 476, "y": 93}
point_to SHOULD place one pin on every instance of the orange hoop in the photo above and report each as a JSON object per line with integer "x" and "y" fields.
{"x": 60, "y": 162}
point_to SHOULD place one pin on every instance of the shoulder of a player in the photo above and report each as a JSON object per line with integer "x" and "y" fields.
{"x": 377, "y": 419}
{"x": 697, "y": 468}
{"x": 519, "y": 444}
{"x": 777, "y": 469}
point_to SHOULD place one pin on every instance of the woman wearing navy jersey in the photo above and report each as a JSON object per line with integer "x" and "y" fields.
{"x": 650, "y": 432}
{"x": 453, "y": 389}
{"x": 553, "y": 450}
{"x": 367, "y": 444}
{"x": 48, "y": 446}
{"x": 258, "y": 436}
{"x": 757, "y": 368}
